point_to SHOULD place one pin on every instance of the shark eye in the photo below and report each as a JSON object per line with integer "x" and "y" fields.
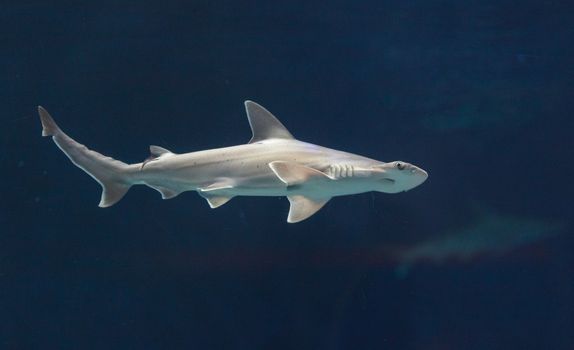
{"x": 400, "y": 165}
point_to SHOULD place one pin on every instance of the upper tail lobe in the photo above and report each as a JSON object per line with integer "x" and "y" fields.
{"x": 111, "y": 174}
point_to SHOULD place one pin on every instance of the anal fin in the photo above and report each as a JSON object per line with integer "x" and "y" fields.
{"x": 303, "y": 207}
{"x": 166, "y": 193}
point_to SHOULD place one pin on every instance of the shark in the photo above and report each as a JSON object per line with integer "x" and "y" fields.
{"x": 272, "y": 163}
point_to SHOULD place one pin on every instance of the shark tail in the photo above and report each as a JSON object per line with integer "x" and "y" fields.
{"x": 111, "y": 174}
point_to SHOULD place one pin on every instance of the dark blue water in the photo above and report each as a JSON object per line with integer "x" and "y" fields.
{"x": 478, "y": 93}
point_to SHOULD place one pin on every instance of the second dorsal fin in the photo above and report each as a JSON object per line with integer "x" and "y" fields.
{"x": 158, "y": 151}
{"x": 264, "y": 125}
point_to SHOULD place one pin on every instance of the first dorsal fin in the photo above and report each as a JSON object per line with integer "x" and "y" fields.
{"x": 264, "y": 125}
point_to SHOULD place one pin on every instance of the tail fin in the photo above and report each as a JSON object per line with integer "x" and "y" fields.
{"x": 111, "y": 174}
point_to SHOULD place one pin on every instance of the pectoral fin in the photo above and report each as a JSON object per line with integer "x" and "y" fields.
{"x": 292, "y": 173}
{"x": 303, "y": 207}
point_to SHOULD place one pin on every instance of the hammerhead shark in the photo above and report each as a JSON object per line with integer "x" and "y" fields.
{"x": 272, "y": 163}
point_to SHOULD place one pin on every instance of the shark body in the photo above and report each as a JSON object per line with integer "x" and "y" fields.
{"x": 273, "y": 163}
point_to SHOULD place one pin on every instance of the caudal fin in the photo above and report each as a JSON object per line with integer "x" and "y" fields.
{"x": 49, "y": 127}
{"x": 111, "y": 174}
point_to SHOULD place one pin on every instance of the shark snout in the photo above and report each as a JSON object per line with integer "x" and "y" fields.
{"x": 419, "y": 174}
{"x": 401, "y": 176}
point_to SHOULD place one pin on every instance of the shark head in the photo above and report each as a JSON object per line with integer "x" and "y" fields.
{"x": 398, "y": 176}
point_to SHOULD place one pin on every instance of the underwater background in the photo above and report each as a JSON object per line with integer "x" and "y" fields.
{"x": 478, "y": 93}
